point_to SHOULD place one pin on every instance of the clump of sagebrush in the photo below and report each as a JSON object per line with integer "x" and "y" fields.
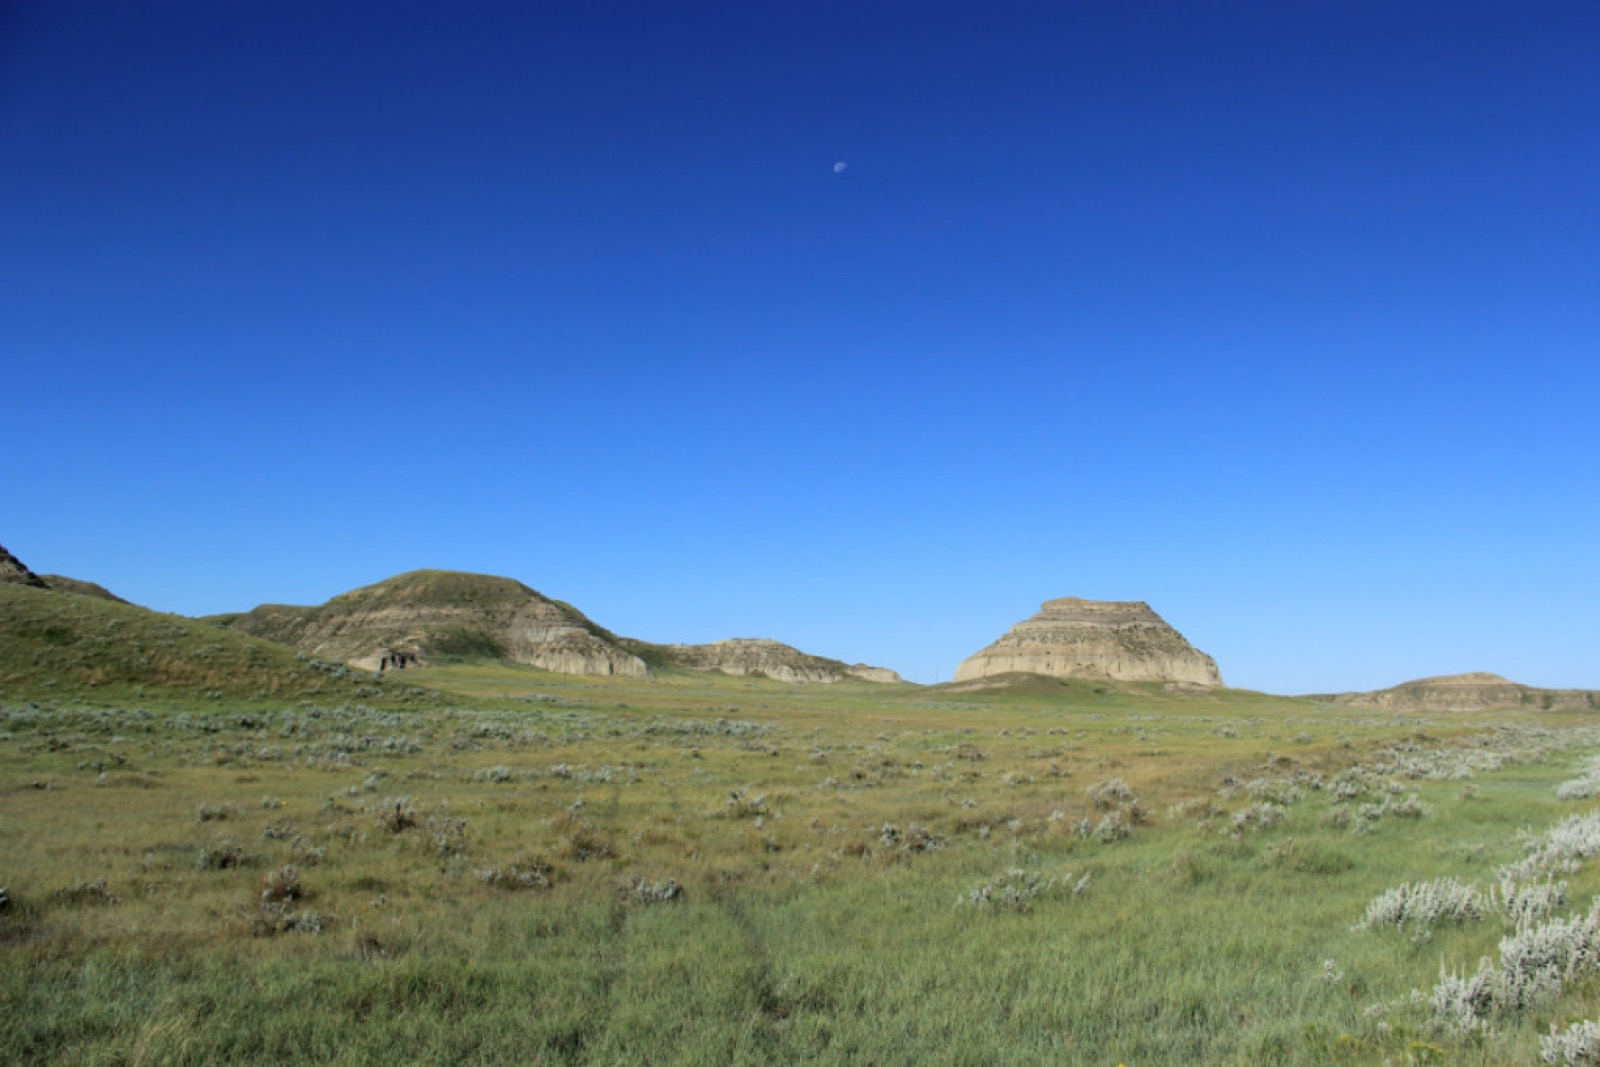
{"x": 278, "y": 830}
{"x": 1425, "y": 904}
{"x": 396, "y": 814}
{"x": 656, "y": 892}
{"x": 213, "y": 812}
{"x": 281, "y": 886}
{"x": 223, "y": 854}
{"x": 581, "y": 840}
{"x": 307, "y": 854}
{"x": 1525, "y": 903}
{"x": 447, "y": 835}
{"x": 1113, "y": 826}
{"x": 1579, "y": 788}
{"x": 1578, "y": 1045}
{"x": 81, "y": 893}
{"x": 521, "y": 872}
{"x": 1109, "y": 793}
{"x": 1368, "y": 816}
{"x": 913, "y": 838}
{"x": 1262, "y": 815}
{"x": 1422, "y": 905}
{"x": 281, "y": 919}
{"x": 1560, "y": 851}
{"x": 1535, "y": 963}
{"x": 741, "y": 805}
{"x": 1016, "y": 890}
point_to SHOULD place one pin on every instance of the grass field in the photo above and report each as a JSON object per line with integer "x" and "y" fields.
{"x": 706, "y": 870}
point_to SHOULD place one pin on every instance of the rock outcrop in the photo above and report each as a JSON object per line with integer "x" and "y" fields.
{"x": 1476, "y": 691}
{"x": 868, "y": 673}
{"x": 14, "y": 572}
{"x": 425, "y": 617}
{"x": 742, "y": 656}
{"x": 1120, "y": 641}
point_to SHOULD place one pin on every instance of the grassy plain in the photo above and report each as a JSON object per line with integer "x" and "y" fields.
{"x": 713, "y": 870}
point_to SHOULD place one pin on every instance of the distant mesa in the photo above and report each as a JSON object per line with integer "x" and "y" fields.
{"x": 427, "y": 617}
{"x": 754, "y": 656}
{"x": 1122, "y": 641}
{"x": 1476, "y": 691}
{"x": 14, "y": 572}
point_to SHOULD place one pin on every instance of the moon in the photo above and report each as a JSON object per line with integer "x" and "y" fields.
{"x": 838, "y": 167}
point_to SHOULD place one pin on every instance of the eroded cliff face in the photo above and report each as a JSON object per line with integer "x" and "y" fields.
{"x": 546, "y": 635}
{"x": 868, "y": 673}
{"x": 1122, "y": 641}
{"x": 430, "y": 616}
{"x": 1476, "y": 691}
{"x": 771, "y": 659}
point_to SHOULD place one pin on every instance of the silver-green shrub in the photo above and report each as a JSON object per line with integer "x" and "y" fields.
{"x": 1016, "y": 890}
{"x": 1424, "y": 904}
{"x": 1579, "y": 1045}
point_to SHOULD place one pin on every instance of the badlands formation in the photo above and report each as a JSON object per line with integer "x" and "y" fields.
{"x": 1122, "y": 641}
{"x": 427, "y": 617}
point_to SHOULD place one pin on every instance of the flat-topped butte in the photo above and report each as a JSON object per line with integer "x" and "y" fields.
{"x": 1122, "y": 641}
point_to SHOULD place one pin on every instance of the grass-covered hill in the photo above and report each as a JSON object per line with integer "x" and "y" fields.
{"x": 431, "y": 616}
{"x": 56, "y": 645}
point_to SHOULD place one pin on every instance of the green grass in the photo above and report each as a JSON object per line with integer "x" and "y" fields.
{"x": 60, "y": 647}
{"x": 803, "y": 931}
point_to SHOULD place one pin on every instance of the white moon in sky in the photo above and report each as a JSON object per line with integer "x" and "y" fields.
{"x": 837, "y": 167}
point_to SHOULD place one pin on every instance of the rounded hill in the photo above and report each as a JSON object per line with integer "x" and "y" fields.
{"x": 431, "y": 616}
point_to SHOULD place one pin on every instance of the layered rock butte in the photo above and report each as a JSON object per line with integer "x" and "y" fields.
{"x": 1123, "y": 641}
{"x": 1476, "y": 691}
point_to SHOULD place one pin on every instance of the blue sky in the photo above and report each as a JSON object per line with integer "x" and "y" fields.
{"x": 1280, "y": 317}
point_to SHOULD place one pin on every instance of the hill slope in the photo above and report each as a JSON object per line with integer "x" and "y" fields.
{"x": 62, "y": 584}
{"x": 14, "y": 572}
{"x": 429, "y": 616}
{"x": 56, "y": 645}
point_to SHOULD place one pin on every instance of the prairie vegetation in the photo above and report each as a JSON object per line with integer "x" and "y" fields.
{"x": 709, "y": 870}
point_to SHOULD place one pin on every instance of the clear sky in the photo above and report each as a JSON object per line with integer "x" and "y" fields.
{"x": 1283, "y": 317}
